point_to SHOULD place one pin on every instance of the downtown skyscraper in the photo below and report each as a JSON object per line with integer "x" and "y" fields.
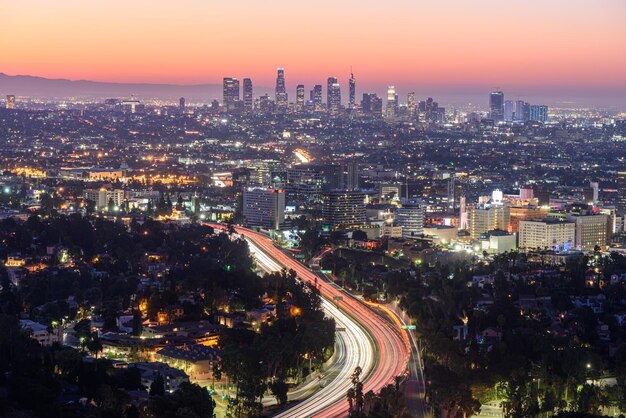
{"x": 281, "y": 92}
{"x": 352, "y": 91}
{"x": 496, "y": 106}
{"x": 248, "y": 100}
{"x": 300, "y": 97}
{"x": 230, "y": 93}
{"x": 333, "y": 95}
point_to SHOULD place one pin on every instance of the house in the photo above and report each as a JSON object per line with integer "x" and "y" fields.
{"x": 41, "y": 333}
{"x": 195, "y": 359}
{"x": 150, "y": 370}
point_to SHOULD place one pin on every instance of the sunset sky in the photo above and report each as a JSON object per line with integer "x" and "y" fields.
{"x": 453, "y": 43}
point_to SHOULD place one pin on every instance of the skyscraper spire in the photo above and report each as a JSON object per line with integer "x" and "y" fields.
{"x": 352, "y": 90}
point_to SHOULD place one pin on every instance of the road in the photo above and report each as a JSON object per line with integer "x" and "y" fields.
{"x": 371, "y": 343}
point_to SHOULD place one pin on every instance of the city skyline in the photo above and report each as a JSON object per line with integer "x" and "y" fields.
{"x": 466, "y": 47}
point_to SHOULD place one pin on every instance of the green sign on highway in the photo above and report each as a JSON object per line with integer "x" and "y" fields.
{"x": 408, "y": 326}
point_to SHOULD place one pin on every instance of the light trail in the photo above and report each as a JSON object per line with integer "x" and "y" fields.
{"x": 368, "y": 333}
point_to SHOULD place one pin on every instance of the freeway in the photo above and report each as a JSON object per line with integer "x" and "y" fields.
{"x": 379, "y": 349}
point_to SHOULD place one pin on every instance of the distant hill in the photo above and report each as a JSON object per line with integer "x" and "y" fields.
{"x": 40, "y": 87}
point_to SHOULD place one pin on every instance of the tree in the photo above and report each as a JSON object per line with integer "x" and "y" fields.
{"x": 157, "y": 387}
{"x": 279, "y": 389}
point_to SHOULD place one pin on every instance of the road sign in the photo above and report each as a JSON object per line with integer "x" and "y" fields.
{"x": 408, "y": 326}
{"x": 327, "y": 271}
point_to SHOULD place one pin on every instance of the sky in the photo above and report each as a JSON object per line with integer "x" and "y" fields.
{"x": 444, "y": 45}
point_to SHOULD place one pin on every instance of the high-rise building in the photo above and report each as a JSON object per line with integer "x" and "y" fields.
{"x": 410, "y": 103}
{"x": 539, "y": 113}
{"x": 333, "y": 95}
{"x": 522, "y": 111}
{"x": 509, "y": 111}
{"x": 181, "y": 104}
{"x": 489, "y": 217}
{"x": 343, "y": 176}
{"x": 264, "y": 207}
{"x": 591, "y": 230}
{"x": 372, "y": 104}
{"x": 300, "y": 97}
{"x": 10, "y": 101}
{"x": 541, "y": 234}
{"x": 316, "y": 97}
{"x": 411, "y": 218}
{"x": 496, "y": 106}
{"x": 392, "y": 102}
{"x": 352, "y": 91}
{"x": 343, "y": 208}
{"x": 231, "y": 93}
{"x": 248, "y": 101}
{"x": 621, "y": 191}
{"x": 281, "y": 92}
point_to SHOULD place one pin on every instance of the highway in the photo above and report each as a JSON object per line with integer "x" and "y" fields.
{"x": 382, "y": 351}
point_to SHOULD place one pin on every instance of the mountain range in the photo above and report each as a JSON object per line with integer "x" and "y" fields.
{"x": 40, "y": 87}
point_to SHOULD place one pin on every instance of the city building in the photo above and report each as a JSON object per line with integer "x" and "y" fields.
{"x": 41, "y": 333}
{"x": 230, "y": 93}
{"x": 496, "y": 106}
{"x": 411, "y": 105}
{"x": 10, "y": 104}
{"x": 392, "y": 102}
{"x": 550, "y": 234}
{"x": 300, "y": 97}
{"x": 343, "y": 208}
{"x": 316, "y": 97}
{"x": 333, "y": 95}
{"x": 488, "y": 217}
{"x": 591, "y": 230}
{"x": 522, "y": 111}
{"x": 352, "y": 91}
{"x": 621, "y": 191}
{"x": 411, "y": 218}
{"x": 102, "y": 197}
{"x": 181, "y": 104}
{"x": 509, "y": 111}
{"x": 248, "y": 100}
{"x": 281, "y": 92}
{"x": 264, "y": 207}
{"x": 538, "y": 113}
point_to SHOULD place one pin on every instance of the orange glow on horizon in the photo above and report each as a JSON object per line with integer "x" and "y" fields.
{"x": 449, "y": 42}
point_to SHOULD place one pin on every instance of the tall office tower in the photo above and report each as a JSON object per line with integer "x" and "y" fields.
{"x": 392, "y": 103}
{"x": 509, "y": 111}
{"x": 333, "y": 95}
{"x": 343, "y": 208}
{"x": 522, "y": 111}
{"x": 300, "y": 96}
{"x": 496, "y": 106}
{"x": 10, "y": 101}
{"x": 352, "y": 91}
{"x": 316, "y": 97}
{"x": 410, "y": 103}
{"x": 411, "y": 218}
{"x": 264, "y": 207}
{"x": 539, "y": 113}
{"x": 181, "y": 104}
{"x": 372, "y": 104}
{"x": 621, "y": 191}
{"x": 231, "y": 93}
{"x": 248, "y": 101}
{"x": 281, "y": 92}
